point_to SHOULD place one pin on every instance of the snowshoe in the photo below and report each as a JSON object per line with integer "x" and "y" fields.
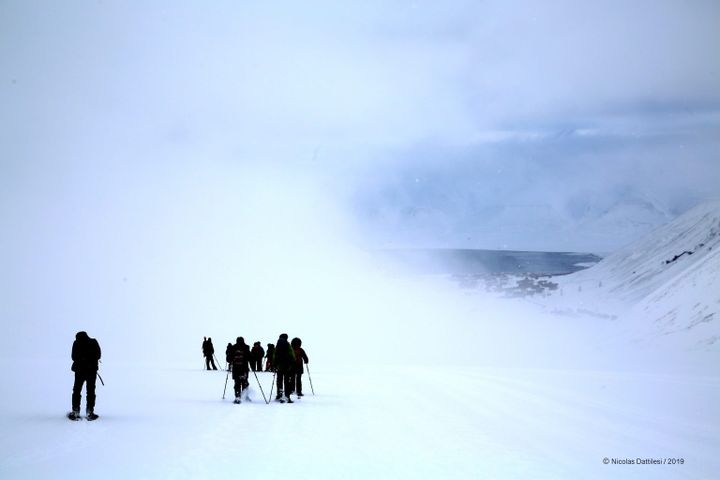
{"x": 74, "y": 415}
{"x": 289, "y": 400}
{"x": 237, "y": 401}
{"x": 92, "y": 415}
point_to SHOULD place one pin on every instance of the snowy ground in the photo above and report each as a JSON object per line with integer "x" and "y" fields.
{"x": 392, "y": 423}
{"x": 415, "y": 377}
{"x": 555, "y": 411}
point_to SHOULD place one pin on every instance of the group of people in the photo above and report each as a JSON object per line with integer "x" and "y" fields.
{"x": 257, "y": 353}
{"x": 286, "y": 359}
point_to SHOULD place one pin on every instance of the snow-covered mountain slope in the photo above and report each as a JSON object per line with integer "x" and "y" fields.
{"x": 688, "y": 304}
{"x": 665, "y": 283}
{"x": 618, "y": 224}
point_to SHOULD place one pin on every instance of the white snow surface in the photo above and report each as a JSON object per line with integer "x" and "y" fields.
{"x": 383, "y": 422}
{"x": 413, "y": 378}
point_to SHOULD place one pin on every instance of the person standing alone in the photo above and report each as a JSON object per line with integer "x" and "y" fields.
{"x": 85, "y": 356}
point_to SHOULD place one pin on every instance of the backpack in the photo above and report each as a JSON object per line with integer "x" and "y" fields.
{"x": 283, "y": 354}
{"x": 241, "y": 357}
{"x": 87, "y": 354}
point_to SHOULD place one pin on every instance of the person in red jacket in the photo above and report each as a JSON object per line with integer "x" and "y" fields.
{"x": 300, "y": 360}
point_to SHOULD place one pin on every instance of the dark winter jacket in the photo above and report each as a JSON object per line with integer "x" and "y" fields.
{"x": 284, "y": 358}
{"x": 85, "y": 354}
{"x": 270, "y": 351}
{"x": 258, "y": 352}
{"x": 300, "y": 357}
{"x": 208, "y": 348}
{"x": 229, "y": 353}
{"x": 241, "y": 357}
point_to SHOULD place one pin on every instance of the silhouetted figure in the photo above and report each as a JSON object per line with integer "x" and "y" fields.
{"x": 269, "y": 366}
{"x": 85, "y": 356}
{"x": 300, "y": 360}
{"x": 208, "y": 352}
{"x": 284, "y": 361}
{"x": 229, "y": 352}
{"x": 240, "y": 368}
{"x": 258, "y": 352}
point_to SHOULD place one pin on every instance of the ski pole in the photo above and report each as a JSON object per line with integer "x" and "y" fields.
{"x": 225, "y": 389}
{"x": 101, "y": 380}
{"x": 216, "y": 360}
{"x": 272, "y": 386}
{"x": 310, "y": 378}
{"x": 261, "y": 389}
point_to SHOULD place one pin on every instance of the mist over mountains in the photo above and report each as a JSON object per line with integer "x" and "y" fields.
{"x": 599, "y": 223}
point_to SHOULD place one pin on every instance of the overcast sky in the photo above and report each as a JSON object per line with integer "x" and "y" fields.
{"x": 416, "y": 121}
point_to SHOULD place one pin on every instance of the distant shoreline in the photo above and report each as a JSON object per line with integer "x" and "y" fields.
{"x": 465, "y": 261}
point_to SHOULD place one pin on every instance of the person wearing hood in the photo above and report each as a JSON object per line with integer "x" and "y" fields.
{"x": 258, "y": 352}
{"x": 284, "y": 361}
{"x": 240, "y": 368}
{"x": 85, "y": 356}
{"x": 301, "y": 359}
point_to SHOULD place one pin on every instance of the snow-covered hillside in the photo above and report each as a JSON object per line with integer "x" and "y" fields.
{"x": 666, "y": 283}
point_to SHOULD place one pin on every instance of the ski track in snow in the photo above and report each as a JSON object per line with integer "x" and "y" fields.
{"x": 386, "y": 422}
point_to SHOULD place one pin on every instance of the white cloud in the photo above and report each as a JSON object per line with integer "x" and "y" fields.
{"x": 360, "y": 94}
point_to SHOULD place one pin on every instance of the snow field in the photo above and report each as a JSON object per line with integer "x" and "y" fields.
{"x": 379, "y": 422}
